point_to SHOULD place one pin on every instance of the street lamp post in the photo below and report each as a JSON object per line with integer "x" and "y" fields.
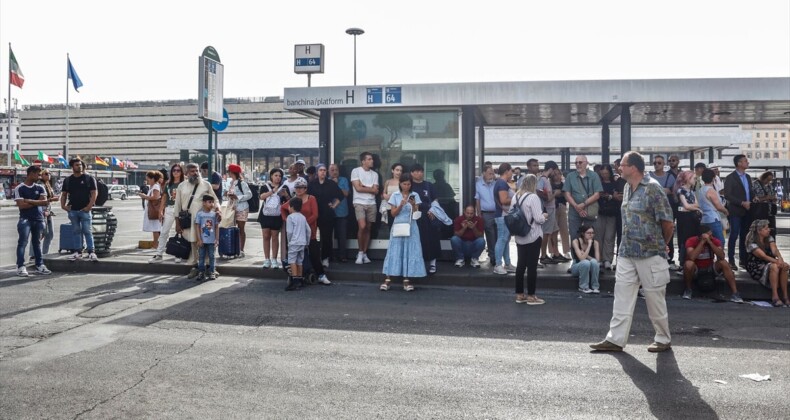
{"x": 355, "y": 32}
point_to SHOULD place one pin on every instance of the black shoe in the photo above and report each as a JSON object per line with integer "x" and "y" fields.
{"x": 560, "y": 258}
{"x": 292, "y": 284}
{"x": 548, "y": 260}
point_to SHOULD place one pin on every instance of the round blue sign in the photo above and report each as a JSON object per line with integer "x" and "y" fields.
{"x": 219, "y": 126}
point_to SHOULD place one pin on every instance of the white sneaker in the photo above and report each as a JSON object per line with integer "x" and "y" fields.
{"x": 267, "y": 263}
{"x": 276, "y": 263}
{"x": 324, "y": 280}
{"x": 607, "y": 265}
{"x": 475, "y": 263}
{"x": 178, "y": 260}
{"x": 360, "y": 258}
{"x": 585, "y": 290}
{"x": 510, "y": 268}
{"x": 75, "y": 256}
{"x": 597, "y": 291}
{"x": 500, "y": 270}
{"x": 365, "y": 259}
{"x": 22, "y": 272}
{"x": 93, "y": 257}
{"x": 155, "y": 259}
{"x": 459, "y": 263}
{"x": 241, "y": 254}
{"x": 674, "y": 267}
{"x": 42, "y": 269}
{"x": 325, "y": 262}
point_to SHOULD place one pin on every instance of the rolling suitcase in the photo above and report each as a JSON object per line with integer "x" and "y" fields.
{"x": 229, "y": 242}
{"x": 69, "y": 242}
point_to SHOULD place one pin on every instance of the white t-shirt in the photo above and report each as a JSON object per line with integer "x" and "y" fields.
{"x": 367, "y": 179}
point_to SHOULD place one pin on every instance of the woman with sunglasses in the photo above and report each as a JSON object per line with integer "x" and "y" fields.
{"x": 167, "y": 216}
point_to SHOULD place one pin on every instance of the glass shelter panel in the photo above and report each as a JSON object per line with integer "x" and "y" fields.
{"x": 430, "y": 138}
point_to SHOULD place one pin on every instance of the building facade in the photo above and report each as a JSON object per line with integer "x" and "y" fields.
{"x": 768, "y": 142}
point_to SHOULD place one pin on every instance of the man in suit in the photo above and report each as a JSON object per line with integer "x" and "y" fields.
{"x": 738, "y": 193}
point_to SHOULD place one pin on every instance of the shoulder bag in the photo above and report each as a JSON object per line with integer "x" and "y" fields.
{"x": 272, "y": 203}
{"x": 184, "y": 217}
{"x": 592, "y": 209}
{"x": 403, "y": 229}
{"x": 152, "y": 208}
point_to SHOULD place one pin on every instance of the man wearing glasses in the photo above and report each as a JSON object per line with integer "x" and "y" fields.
{"x": 667, "y": 181}
{"x": 582, "y": 189}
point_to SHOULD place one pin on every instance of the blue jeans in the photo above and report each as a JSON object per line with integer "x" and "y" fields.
{"x": 49, "y": 234}
{"x": 29, "y": 229}
{"x": 588, "y": 272}
{"x": 502, "y": 248}
{"x": 739, "y": 227}
{"x": 81, "y": 223}
{"x": 467, "y": 249}
{"x": 203, "y": 251}
{"x": 716, "y": 230}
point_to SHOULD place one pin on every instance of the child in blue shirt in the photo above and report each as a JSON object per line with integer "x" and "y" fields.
{"x": 298, "y": 233}
{"x": 206, "y": 228}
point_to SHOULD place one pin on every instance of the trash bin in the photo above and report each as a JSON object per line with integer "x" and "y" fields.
{"x": 104, "y": 225}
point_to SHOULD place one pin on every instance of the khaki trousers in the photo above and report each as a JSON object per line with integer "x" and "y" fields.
{"x": 653, "y": 274}
{"x": 193, "y": 255}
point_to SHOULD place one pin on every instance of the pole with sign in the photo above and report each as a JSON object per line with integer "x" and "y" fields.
{"x": 219, "y": 126}
{"x": 309, "y": 59}
{"x": 210, "y": 95}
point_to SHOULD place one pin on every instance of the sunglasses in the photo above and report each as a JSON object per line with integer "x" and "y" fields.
{"x": 579, "y": 162}
{"x": 658, "y": 163}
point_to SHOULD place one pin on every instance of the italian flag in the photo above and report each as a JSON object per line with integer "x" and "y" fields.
{"x": 15, "y": 73}
{"x": 20, "y": 158}
{"x": 45, "y": 158}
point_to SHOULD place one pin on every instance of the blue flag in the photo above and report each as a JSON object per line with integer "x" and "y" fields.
{"x": 73, "y": 76}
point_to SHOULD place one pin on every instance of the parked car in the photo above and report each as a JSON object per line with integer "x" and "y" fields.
{"x": 117, "y": 191}
{"x": 132, "y": 190}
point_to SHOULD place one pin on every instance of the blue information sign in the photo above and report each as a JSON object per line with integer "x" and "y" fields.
{"x": 221, "y": 125}
{"x": 314, "y": 61}
{"x": 374, "y": 95}
{"x": 392, "y": 95}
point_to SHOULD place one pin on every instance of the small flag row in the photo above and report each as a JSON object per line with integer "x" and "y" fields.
{"x": 98, "y": 160}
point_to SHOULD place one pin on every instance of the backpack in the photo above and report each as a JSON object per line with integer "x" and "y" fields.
{"x": 516, "y": 220}
{"x": 255, "y": 200}
{"x": 271, "y": 206}
{"x": 706, "y": 281}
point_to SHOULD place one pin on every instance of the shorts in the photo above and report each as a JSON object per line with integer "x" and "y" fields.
{"x": 365, "y": 212}
{"x": 296, "y": 254}
{"x": 271, "y": 222}
{"x": 242, "y": 215}
{"x": 550, "y": 225}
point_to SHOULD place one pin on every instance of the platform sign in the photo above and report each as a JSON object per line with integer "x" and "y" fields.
{"x": 392, "y": 95}
{"x": 210, "y": 81}
{"x": 309, "y": 58}
{"x": 374, "y": 95}
{"x": 221, "y": 125}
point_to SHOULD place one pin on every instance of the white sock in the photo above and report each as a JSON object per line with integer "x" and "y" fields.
{"x": 433, "y": 261}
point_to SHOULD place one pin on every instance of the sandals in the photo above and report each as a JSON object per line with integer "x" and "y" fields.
{"x": 777, "y": 303}
{"x": 407, "y": 285}
{"x": 386, "y": 285}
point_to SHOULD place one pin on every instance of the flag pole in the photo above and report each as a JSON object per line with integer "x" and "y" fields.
{"x": 67, "y": 106}
{"x": 9, "y": 105}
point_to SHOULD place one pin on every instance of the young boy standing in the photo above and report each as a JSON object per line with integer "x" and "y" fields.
{"x": 206, "y": 231}
{"x": 298, "y": 232}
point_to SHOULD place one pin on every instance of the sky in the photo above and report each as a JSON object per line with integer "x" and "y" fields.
{"x": 148, "y": 49}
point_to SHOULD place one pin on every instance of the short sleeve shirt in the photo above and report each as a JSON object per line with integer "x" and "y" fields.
{"x": 367, "y": 179}
{"x": 32, "y": 192}
{"x": 206, "y": 221}
{"x": 469, "y": 234}
{"x": 79, "y": 189}
{"x": 545, "y": 185}
{"x": 582, "y": 187}
{"x": 705, "y": 258}
{"x": 500, "y": 185}
{"x": 643, "y": 210}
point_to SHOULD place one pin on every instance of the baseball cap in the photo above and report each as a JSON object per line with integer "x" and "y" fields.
{"x": 300, "y": 182}
{"x": 300, "y": 161}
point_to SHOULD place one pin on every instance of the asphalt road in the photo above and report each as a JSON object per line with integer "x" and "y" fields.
{"x": 127, "y": 346}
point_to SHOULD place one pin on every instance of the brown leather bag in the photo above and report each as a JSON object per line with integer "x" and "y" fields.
{"x": 154, "y": 208}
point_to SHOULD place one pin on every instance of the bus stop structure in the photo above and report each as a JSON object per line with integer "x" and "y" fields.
{"x": 434, "y": 123}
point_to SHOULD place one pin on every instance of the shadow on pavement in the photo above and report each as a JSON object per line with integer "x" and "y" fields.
{"x": 669, "y": 394}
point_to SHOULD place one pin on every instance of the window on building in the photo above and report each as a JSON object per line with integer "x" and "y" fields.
{"x": 758, "y": 155}
{"x": 766, "y": 145}
{"x": 758, "y": 135}
{"x": 776, "y": 144}
{"x": 757, "y": 145}
{"x": 784, "y": 134}
{"x": 784, "y": 144}
{"x": 749, "y": 155}
{"x": 776, "y": 134}
{"x": 767, "y": 134}
{"x": 776, "y": 155}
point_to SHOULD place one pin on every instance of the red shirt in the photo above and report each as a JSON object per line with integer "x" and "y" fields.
{"x": 309, "y": 211}
{"x": 469, "y": 234}
{"x": 705, "y": 257}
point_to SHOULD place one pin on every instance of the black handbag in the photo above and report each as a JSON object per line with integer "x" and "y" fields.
{"x": 184, "y": 217}
{"x": 178, "y": 247}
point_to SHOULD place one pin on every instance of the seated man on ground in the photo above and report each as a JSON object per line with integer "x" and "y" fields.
{"x": 467, "y": 240}
{"x": 699, "y": 257}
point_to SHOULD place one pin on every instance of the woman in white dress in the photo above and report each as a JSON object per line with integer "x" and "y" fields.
{"x": 152, "y": 221}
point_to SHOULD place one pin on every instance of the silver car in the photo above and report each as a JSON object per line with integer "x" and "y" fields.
{"x": 117, "y": 191}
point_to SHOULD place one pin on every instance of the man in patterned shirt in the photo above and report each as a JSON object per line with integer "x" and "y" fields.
{"x": 642, "y": 257}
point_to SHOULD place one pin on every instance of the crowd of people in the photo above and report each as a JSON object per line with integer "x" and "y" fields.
{"x": 576, "y": 218}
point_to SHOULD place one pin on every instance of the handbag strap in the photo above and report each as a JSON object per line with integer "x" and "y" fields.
{"x": 193, "y": 196}
{"x": 524, "y": 197}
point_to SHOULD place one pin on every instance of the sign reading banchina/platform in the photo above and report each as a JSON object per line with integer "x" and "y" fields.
{"x": 309, "y": 58}
{"x": 210, "y": 100}
{"x": 344, "y": 97}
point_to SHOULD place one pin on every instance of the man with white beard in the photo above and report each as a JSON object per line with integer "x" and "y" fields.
{"x": 188, "y": 197}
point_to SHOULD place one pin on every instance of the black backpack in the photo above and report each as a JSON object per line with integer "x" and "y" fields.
{"x": 516, "y": 220}
{"x": 255, "y": 200}
{"x": 706, "y": 281}
{"x": 103, "y": 192}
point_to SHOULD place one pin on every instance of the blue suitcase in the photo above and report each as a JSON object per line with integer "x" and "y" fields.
{"x": 69, "y": 243}
{"x": 229, "y": 242}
